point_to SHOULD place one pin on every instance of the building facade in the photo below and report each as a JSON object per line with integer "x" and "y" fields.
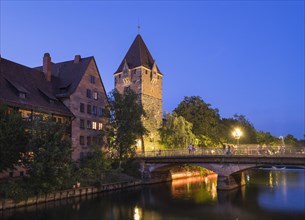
{"x": 139, "y": 71}
{"x": 72, "y": 92}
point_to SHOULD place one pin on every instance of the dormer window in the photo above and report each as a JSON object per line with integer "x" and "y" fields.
{"x": 22, "y": 95}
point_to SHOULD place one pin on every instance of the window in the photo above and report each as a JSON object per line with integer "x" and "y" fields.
{"x": 100, "y": 140}
{"x": 59, "y": 120}
{"x": 82, "y": 123}
{"x": 120, "y": 76}
{"x": 89, "y": 109}
{"x": 88, "y": 93}
{"x": 81, "y": 140}
{"x": 89, "y": 124}
{"x": 94, "y": 110}
{"x": 81, "y": 155}
{"x": 88, "y": 140}
{"x": 81, "y": 107}
{"x": 95, "y": 95}
{"x": 94, "y": 140}
{"x": 11, "y": 174}
{"x": 94, "y": 125}
{"x": 22, "y": 95}
{"x": 100, "y": 126}
{"x": 92, "y": 79}
{"x": 100, "y": 111}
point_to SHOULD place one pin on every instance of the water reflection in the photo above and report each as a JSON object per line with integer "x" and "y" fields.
{"x": 268, "y": 194}
{"x": 200, "y": 189}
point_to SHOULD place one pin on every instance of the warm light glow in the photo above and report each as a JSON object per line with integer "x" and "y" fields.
{"x": 137, "y": 213}
{"x": 237, "y": 133}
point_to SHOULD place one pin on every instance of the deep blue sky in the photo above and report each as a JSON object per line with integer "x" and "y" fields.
{"x": 244, "y": 57}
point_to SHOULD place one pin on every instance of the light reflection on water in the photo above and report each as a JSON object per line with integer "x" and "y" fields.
{"x": 284, "y": 191}
{"x": 268, "y": 194}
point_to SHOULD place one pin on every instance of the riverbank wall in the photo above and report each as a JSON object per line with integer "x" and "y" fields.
{"x": 161, "y": 177}
{"x": 75, "y": 192}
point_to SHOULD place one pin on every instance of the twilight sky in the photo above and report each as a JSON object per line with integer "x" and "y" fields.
{"x": 244, "y": 57}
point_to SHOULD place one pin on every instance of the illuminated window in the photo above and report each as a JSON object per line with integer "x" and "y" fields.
{"x": 100, "y": 126}
{"x": 94, "y": 125}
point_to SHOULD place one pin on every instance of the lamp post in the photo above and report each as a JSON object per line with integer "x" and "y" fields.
{"x": 237, "y": 134}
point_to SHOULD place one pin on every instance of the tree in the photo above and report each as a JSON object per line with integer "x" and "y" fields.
{"x": 249, "y": 133}
{"x": 291, "y": 141}
{"x": 176, "y": 132}
{"x": 125, "y": 112}
{"x": 13, "y": 138}
{"x": 205, "y": 119}
{"x": 267, "y": 139}
{"x": 50, "y": 168}
{"x": 94, "y": 167}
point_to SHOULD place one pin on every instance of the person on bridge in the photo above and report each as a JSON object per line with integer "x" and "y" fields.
{"x": 190, "y": 148}
{"x": 229, "y": 150}
{"x": 224, "y": 149}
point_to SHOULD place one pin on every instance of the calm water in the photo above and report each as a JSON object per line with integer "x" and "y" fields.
{"x": 268, "y": 194}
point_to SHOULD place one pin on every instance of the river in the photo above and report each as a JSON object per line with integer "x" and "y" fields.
{"x": 272, "y": 194}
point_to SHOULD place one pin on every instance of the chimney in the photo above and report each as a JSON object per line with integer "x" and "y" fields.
{"x": 47, "y": 66}
{"x": 77, "y": 59}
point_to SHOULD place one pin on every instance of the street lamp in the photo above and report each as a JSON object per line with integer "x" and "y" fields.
{"x": 237, "y": 134}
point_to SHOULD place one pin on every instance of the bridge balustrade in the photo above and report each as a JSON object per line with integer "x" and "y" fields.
{"x": 272, "y": 151}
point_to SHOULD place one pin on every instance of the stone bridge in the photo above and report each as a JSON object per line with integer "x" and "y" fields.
{"x": 228, "y": 167}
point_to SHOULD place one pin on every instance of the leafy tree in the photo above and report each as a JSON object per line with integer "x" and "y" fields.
{"x": 205, "y": 119}
{"x": 50, "y": 167}
{"x": 249, "y": 133}
{"x": 125, "y": 112}
{"x": 94, "y": 167}
{"x": 266, "y": 138}
{"x": 291, "y": 141}
{"x": 177, "y": 132}
{"x": 13, "y": 138}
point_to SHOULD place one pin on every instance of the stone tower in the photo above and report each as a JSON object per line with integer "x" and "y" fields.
{"x": 139, "y": 71}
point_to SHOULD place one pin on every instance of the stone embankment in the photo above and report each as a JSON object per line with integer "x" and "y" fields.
{"x": 85, "y": 191}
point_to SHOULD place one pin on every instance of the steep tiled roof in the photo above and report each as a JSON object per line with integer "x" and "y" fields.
{"x": 67, "y": 75}
{"x": 16, "y": 78}
{"x": 137, "y": 55}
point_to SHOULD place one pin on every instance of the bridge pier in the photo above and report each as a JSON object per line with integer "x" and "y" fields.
{"x": 230, "y": 182}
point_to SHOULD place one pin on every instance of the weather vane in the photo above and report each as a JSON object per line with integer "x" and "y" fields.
{"x": 139, "y": 26}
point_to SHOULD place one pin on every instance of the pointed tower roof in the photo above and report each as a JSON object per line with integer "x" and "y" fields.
{"x": 137, "y": 55}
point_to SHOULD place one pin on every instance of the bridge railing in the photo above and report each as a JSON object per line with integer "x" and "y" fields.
{"x": 272, "y": 151}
